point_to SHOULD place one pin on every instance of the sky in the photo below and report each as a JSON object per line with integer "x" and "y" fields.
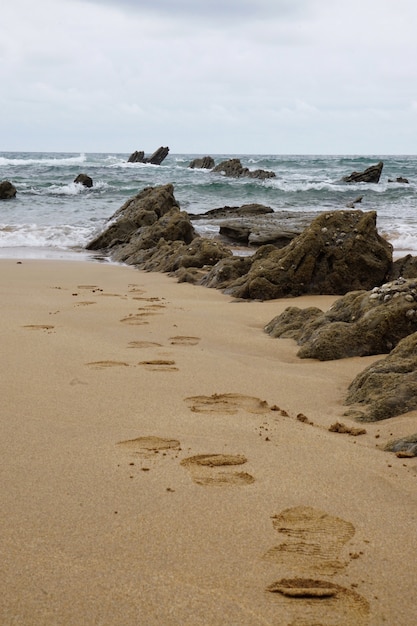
{"x": 209, "y": 77}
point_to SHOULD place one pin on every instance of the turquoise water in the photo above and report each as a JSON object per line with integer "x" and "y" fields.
{"x": 53, "y": 215}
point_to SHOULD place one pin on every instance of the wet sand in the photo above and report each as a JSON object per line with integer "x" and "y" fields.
{"x": 164, "y": 461}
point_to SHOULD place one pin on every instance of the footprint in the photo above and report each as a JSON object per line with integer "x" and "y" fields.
{"x": 149, "y": 445}
{"x": 99, "y": 365}
{"x": 159, "y": 365}
{"x": 307, "y": 601}
{"x": 39, "y": 326}
{"x": 229, "y": 403}
{"x": 209, "y": 470}
{"x": 89, "y": 287}
{"x": 85, "y": 303}
{"x": 144, "y": 344}
{"x": 312, "y": 541}
{"x": 184, "y": 341}
{"x": 134, "y": 320}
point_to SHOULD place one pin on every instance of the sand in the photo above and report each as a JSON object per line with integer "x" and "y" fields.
{"x": 165, "y": 462}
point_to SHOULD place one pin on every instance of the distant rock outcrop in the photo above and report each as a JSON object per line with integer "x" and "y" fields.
{"x": 235, "y": 169}
{"x": 362, "y": 323}
{"x": 156, "y": 158}
{"x": 205, "y": 163}
{"x": 7, "y": 190}
{"x": 339, "y": 251}
{"x": 370, "y": 175}
{"x": 84, "y": 179}
{"x": 399, "y": 179}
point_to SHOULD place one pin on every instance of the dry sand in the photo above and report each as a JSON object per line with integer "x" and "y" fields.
{"x": 154, "y": 470}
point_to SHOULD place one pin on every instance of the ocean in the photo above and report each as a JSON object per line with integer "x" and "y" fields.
{"x": 52, "y": 217}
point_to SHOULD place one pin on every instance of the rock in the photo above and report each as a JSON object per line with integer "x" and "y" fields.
{"x": 246, "y": 210}
{"x": 255, "y": 233}
{"x": 399, "y": 179}
{"x": 339, "y": 252}
{"x": 205, "y": 163}
{"x": 156, "y": 158}
{"x": 226, "y": 271}
{"x": 7, "y": 190}
{"x": 235, "y": 169}
{"x": 388, "y": 387}
{"x": 370, "y": 175}
{"x": 358, "y": 200}
{"x": 362, "y": 323}
{"x": 84, "y": 179}
{"x": 144, "y": 209}
{"x": 137, "y": 157}
{"x": 406, "y": 447}
{"x": 168, "y": 256}
{"x": 406, "y": 267}
{"x": 290, "y": 323}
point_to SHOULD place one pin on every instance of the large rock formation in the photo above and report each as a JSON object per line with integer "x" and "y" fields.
{"x": 370, "y": 175}
{"x": 7, "y": 190}
{"x": 151, "y": 231}
{"x": 361, "y": 323}
{"x": 388, "y": 387}
{"x": 235, "y": 169}
{"x": 339, "y": 252}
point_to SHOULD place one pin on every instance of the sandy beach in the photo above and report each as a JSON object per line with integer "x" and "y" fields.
{"x": 165, "y": 462}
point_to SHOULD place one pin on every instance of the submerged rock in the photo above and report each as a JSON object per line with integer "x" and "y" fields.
{"x": 388, "y": 387}
{"x": 7, "y": 190}
{"x": 339, "y": 252}
{"x": 84, "y": 179}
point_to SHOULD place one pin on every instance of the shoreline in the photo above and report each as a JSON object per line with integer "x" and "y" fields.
{"x": 113, "y": 382}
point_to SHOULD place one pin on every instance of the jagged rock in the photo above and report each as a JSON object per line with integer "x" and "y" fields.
{"x": 370, "y": 175}
{"x": 156, "y": 158}
{"x": 388, "y": 387}
{"x": 226, "y": 271}
{"x": 84, "y": 179}
{"x": 399, "y": 179}
{"x": 235, "y": 169}
{"x": 339, "y": 252}
{"x": 138, "y": 156}
{"x": 362, "y": 323}
{"x": 205, "y": 163}
{"x": 7, "y": 190}
{"x": 172, "y": 226}
{"x": 144, "y": 209}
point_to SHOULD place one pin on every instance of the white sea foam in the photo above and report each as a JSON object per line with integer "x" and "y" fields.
{"x": 36, "y": 236}
{"x": 43, "y": 161}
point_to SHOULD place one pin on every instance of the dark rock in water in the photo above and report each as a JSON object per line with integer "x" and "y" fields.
{"x": 143, "y": 209}
{"x": 205, "y": 163}
{"x": 246, "y": 210}
{"x": 358, "y": 200}
{"x": 406, "y": 447}
{"x": 84, "y": 179}
{"x": 388, "y": 387}
{"x": 138, "y": 156}
{"x": 7, "y": 190}
{"x": 235, "y": 169}
{"x": 399, "y": 179}
{"x": 340, "y": 251}
{"x": 156, "y": 158}
{"x": 361, "y": 323}
{"x": 370, "y": 175}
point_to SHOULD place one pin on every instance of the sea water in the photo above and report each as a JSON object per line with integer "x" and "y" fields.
{"x": 53, "y": 216}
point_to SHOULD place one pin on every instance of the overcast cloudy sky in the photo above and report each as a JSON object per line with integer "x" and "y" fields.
{"x": 209, "y": 76}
